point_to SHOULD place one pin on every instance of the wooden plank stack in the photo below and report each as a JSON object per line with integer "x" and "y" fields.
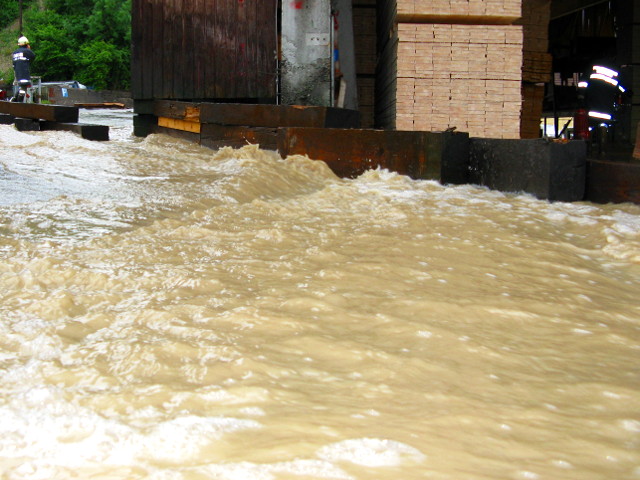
{"x": 463, "y": 76}
{"x": 505, "y": 9}
{"x": 536, "y": 64}
{"x": 458, "y": 64}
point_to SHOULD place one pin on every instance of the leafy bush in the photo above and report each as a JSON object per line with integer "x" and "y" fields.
{"x": 102, "y": 65}
{"x": 84, "y": 40}
{"x": 52, "y": 46}
{"x": 8, "y": 12}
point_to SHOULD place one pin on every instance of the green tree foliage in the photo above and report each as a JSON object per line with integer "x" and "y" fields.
{"x": 81, "y": 8}
{"x": 110, "y": 21}
{"x": 84, "y": 40}
{"x": 52, "y": 44}
{"x": 100, "y": 62}
{"x": 8, "y": 12}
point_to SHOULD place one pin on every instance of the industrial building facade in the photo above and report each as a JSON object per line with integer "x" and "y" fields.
{"x": 479, "y": 66}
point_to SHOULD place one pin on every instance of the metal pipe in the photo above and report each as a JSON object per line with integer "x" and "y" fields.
{"x": 332, "y": 79}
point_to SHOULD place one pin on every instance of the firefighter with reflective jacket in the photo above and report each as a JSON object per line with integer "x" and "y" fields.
{"x": 22, "y": 58}
{"x": 602, "y": 95}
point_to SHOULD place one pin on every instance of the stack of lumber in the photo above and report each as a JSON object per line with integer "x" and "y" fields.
{"x": 463, "y": 76}
{"x": 532, "y": 98}
{"x": 506, "y": 9}
{"x": 459, "y": 63}
{"x": 536, "y": 65}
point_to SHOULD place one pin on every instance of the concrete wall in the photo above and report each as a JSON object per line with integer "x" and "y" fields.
{"x": 72, "y": 96}
{"x": 306, "y": 53}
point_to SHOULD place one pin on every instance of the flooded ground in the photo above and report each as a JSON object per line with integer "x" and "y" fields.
{"x": 171, "y": 312}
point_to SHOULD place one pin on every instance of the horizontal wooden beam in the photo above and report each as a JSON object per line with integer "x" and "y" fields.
{"x": 258, "y": 115}
{"x": 178, "y": 110}
{"x": 458, "y": 19}
{"x": 218, "y": 136}
{"x": 441, "y": 156}
{"x": 181, "y": 134}
{"x": 85, "y": 130}
{"x": 177, "y": 124}
{"x": 6, "y": 119}
{"x": 37, "y": 111}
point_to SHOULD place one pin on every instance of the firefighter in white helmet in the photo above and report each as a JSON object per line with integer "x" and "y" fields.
{"x": 22, "y": 58}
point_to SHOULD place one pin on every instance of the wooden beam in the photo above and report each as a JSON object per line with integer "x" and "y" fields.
{"x": 218, "y": 136}
{"x": 441, "y": 156}
{"x": 6, "y": 119}
{"x": 27, "y": 125}
{"x": 253, "y": 115}
{"x": 457, "y": 19}
{"x": 258, "y": 115}
{"x": 37, "y": 111}
{"x": 85, "y": 130}
{"x": 176, "y": 124}
{"x": 182, "y": 134}
{"x": 179, "y": 110}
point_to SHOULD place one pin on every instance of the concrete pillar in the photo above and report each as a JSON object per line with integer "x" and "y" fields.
{"x": 305, "y": 74}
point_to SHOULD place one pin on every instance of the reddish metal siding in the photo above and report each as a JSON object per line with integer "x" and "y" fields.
{"x": 203, "y": 49}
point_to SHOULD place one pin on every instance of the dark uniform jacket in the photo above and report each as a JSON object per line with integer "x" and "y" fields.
{"x": 22, "y": 58}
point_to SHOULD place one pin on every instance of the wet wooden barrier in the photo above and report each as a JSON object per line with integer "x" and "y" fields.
{"x": 441, "y": 156}
{"x": 85, "y": 130}
{"x": 548, "y": 170}
{"x": 322, "y": 133}
{"x": 36, "y": 117}
{"x": 613, "y": 182}
{"x": 38, "y": 111}
{"x": 6, "y": 119}
{"x": 257, "y": 115}
{"x": 26, "y": 124}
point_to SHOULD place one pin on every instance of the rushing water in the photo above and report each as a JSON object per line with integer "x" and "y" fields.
{"x": 171, "y": 312}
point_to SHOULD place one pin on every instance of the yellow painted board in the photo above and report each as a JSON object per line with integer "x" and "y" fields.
{"x": 176, "y": 124}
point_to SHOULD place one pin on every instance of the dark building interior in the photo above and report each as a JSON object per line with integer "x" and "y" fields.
{"x": 583, "y": 33}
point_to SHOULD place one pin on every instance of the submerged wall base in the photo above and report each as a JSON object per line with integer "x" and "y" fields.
{"x": 613, "y": 182}
{"x": 548, "y": 170}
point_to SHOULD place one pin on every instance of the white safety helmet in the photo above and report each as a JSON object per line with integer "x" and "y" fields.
{"x": 23, "y": 41}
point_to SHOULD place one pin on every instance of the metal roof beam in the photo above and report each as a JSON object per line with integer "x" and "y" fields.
{"x": 561, "y": 8}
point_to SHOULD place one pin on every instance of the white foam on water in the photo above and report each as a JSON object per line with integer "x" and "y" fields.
{"x": 305, "y": 468}
{"x": 371, "y": 452}
{"x": 45, "y": 431}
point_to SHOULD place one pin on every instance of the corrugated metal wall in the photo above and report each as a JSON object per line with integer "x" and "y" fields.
{"x": 204, "y": 49}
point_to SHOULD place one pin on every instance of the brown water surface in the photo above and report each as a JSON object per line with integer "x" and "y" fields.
{"x": 168, "y": 312}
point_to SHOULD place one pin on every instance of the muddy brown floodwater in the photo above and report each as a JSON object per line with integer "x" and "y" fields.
{"x": 170, "y": 312}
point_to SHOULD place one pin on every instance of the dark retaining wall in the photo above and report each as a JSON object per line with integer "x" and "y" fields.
{"x": 548, "y": 170}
